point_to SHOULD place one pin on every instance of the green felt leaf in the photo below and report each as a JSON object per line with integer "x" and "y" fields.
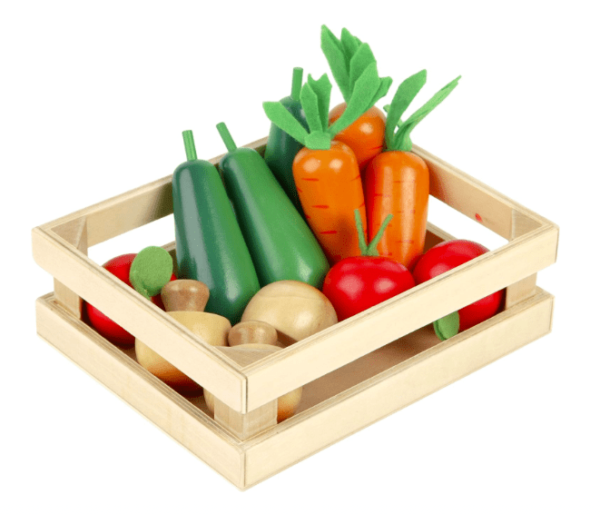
{"x": 447, "y": 326}
{"x": 363, "y": 98}
{"x": 151, "y": 270}
{"x": 362, "y": 58}
{"x": 310, "y": 104}
{"x": 322, "y": 88}
{"x": 334, "y": 53}
{"x": 402, "y": 140}
{"x": 349, "y": 43}
{"x": 285, "y": 120}
{"x": 384, "y": 87}
{"x": 318, "y": 141}
{"x": 405, "y": 94}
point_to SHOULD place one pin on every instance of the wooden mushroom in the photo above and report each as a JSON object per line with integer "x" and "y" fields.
{"x": 249, "y": 353}
{"x": 295, "y": 309}
{"x": 252, "y": 331}
{"x": 185, "y": 301}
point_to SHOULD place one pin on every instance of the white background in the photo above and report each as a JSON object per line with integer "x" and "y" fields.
{"x": 94, "y": 96}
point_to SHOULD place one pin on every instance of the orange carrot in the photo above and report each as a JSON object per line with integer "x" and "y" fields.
{"x": 397, "y": 180}
{"x": 366, "y": 136}
{"x": 326, "y": 172}
{"x": 318, "y": 174}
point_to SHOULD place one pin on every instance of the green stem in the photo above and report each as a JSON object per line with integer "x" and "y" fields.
{"x": 226, "y": 137}
{"x": 372, "y": 248}
{"x": 190, "y": 147}
{"x": 362, "y": 243}
{"x": 297, "y": 83}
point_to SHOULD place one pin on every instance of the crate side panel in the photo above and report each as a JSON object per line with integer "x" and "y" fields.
{"x": 160, "y": 404}
{"x": 345, "y": 342}
{"x": 129, "y": 309}
{"x": 366, "y": 403}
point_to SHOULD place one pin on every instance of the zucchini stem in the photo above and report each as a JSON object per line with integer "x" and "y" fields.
{"x": 297, "y": 83}
{"x": 226, "y": 137}
{"x": 190, "y": 147}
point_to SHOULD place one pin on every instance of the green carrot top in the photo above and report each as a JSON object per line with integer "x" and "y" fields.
{"x": 348, "y": 58}
{"x": 397, "y": 132}
{"x": 314, "y": 97}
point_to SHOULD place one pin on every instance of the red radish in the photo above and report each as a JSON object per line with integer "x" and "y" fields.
{"x": 355, "y": 284}
{"x": 107, "y": 328}
{"x": 444, "y": 257}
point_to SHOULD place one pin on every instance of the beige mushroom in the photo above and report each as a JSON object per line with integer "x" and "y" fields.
{"x": 247, "y": 354}
{"x": 295, "y": 309}
{"x": 185, "y": 301}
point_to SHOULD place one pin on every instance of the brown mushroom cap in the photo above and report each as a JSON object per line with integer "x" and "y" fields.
{"x": 185, "y": 295}
{"x": 252, "y": 331}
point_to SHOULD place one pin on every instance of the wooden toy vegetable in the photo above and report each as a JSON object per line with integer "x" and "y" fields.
{"x": 294, "y": 309}
{"x": 326, "y": 172}
{"x": 185, "y": 301}
{"x": 358, "y": 283}
{"x": 252, "y": 331}
{"x": 247, "y": 354}
{"x": 280, "y": 242}
{"x": 347, "y": 57}
{"x": 210, "y": 244}
{"x": 281, "y": 148}
{"x": 446, "y": 256}
{"x": 119, "y": 266}
{"x": 397, "y": 180}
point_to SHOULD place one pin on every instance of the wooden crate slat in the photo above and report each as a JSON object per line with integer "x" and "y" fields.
{"x": 472, "y": 198}
{"x": 396, "y": 388}
{"x": 336, "y": 346}
{"x": 129, "y": 309}
{"x": 158, "y": 402}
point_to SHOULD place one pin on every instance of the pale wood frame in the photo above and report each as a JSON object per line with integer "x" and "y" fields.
{"x": 246, "y": 394}
{"x": 246, "y": 463}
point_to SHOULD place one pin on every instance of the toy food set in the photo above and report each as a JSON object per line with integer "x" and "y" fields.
{"x": 306, "y": 295}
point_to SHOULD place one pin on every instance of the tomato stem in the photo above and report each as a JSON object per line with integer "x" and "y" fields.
{"x": 369, "y": 250}
{"x": 372, "y": 248}
{"x": 190, "y": 147}
{"x": 226, "y": 137}
{"x": 362, "y": 242}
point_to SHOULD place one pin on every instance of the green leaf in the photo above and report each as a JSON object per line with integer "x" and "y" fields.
{"x": 384, "y": 87}
{"x": 334, "y": 53}
{"x": 361, "y": 60}
{"x": 151, "y": 270}
{"x": 322, "y": 88}
{"x": 363, "y": 98}
{"x": 405, "y": 94}
{"x": 310, "y": 104}
{"x": 349, "y": 44}
{"x": 318, "y": 141}
{"x": 402, "y": 140}
{"x": 283, "y": 119}
{"x": 448, "y": 326}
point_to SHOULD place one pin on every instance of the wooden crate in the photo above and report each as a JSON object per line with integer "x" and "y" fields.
{"x": 353, "y": 373}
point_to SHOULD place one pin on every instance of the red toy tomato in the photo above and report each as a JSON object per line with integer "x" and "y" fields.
{"x": 107, "y": 328}
{"x": 357, "y": 283}
{"x": 448, "y": 255}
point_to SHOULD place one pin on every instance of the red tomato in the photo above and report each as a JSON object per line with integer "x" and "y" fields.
{"x": 355, "y": 284}
{"x": 448, "y": 255}
{"x": 107, "y": 328}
